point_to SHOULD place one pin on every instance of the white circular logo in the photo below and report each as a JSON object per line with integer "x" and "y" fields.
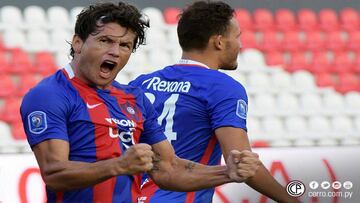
{"x": 348, "y": 185}
{"x": 336, "y": 185}
{"x": 295, "y": 188}
{"x": 130, "y": 110}
{"x": 325, "y": 185}
{"x": 313, "y": 185}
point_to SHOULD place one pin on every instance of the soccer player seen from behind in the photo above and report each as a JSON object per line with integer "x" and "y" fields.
{"x": 204, "y": 111}
{"x": 91, "y": 136}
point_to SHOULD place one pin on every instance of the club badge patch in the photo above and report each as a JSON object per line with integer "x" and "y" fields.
{"x": 37, "y": 122}
{"x": 130, "y": 110}
{"x": 241, "y": 109}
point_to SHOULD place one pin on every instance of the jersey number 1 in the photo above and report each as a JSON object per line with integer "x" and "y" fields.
{"x": 168, "y": 113}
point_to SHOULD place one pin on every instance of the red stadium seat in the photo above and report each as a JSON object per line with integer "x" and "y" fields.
{"x": 357, "y": 63}
{"x": 18, "y": 132}
{"x": 27, "y": 82}
{"x": 354, "y": 41}
{"x": 307, "y": 20}
{"x": 274, "y": 58}
{"x": 342, "y": 63}
{"x": 244, "y": 19}
{"x": 171, "y": 15}
{"x": 7, "y": 86}
{"x": 291, "y": 42}
{"x": 348, "y": 82}
{"x": 334, "y": 41}
{"x": 260, "y": 144}
{"x": 285, "y": 20}
{"x": 45, "y": 63}
{"x": 11, "y": 113}
{"x": 328, "y": 20}
{"x": 248, "y": 40}
{"x": 320, "y": 63}
{"x": 298, "y": 61}
{"x": 20, "y": 62}
{"x": 314, "y": 41}
{"x": 264, "y": 20}
{"x": 2, "y": 45}
{"x": 4, "y": 65}
{"x": 2, "y": 109}
{"x": 350, "y": 19}
{"x": 269, "y": 42}
{"x": 325, "y": 80}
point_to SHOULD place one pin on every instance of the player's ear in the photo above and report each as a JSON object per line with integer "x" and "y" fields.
{"x": 218, "y": 42}
{"x": 77, "y": 44}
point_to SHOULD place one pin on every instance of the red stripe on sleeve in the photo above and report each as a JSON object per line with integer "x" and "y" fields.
{"x": 59, "y": 197}
{"x": 204, "y": 160}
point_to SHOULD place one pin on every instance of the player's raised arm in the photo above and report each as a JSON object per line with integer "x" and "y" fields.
{"x": 172, "y": 173}
{"x": 61, "y": 174}
{"x": 231, "y": 138}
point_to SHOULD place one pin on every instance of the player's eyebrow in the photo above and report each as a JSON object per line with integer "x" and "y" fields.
{"x": 108, "y": 36}
{"x": 115, "y": 38}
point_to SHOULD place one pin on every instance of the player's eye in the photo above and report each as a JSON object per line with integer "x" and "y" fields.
{"x": 106, "y": 40}
{"x": 125, "y": 45}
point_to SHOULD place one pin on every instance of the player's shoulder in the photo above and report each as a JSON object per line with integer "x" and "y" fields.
{"x": 138, "y": 81}
{"x": 222, "y": 80}
{"x": 129, "y": 89}
{"x": 49, "y": 86}
{"x": 49, "y": 93}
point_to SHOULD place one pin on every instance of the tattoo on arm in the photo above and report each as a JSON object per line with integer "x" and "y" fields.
{"x": 190, "y": 166}
{"x": 156, "y": 162}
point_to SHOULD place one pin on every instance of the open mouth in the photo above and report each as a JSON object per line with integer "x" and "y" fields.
{"x": 106, "y": 67}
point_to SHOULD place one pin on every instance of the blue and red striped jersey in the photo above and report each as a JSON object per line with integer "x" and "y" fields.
{"x": 98, "y": 124}
{"x": 192, "y": 101}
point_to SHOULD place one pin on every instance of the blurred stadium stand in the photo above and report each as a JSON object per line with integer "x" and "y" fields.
{"x": 300, "y": 64}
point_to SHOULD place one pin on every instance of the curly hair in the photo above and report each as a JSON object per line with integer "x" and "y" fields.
{"x": 201, "y": 20}
{"x": 95, "y": 16}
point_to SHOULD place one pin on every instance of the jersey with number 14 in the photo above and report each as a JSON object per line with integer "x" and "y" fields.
{"x": 192, "y": 101}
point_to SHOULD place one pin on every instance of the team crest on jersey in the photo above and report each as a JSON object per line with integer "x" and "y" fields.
{"x": 130, "y": 110}
{"x": 241, "y": 109}
{"x": 37, "y": 122}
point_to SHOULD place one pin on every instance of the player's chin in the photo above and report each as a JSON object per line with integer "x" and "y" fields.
{"x": 230, "y": 67}
{"x": 104, "y": 82}
{"x": 234, "y": 67}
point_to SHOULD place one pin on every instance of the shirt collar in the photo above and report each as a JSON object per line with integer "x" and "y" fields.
{"x": 188, "y": 61}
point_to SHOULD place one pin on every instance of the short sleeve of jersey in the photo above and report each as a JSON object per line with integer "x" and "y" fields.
{"x": 43, "y": 112}
{"x": 227, "y": 104}
{"x": 136, "y": 82}
{"x": 153, "y": 132}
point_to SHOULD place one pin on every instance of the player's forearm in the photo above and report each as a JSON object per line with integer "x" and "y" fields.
{"x": 184, "y": 175}
{"x": 264, "y": 183}
{"x": 70, "y": 175}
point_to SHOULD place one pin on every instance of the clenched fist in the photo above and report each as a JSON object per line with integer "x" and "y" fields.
{"x": 242, "y": 165}
{"x": 137, "y": 159}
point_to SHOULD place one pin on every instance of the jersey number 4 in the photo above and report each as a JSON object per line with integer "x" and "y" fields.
{"x": 167, "y": 113}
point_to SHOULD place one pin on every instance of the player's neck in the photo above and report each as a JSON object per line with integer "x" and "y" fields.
{"x": 79, "y": 76}
{"x": 202, "y": 58}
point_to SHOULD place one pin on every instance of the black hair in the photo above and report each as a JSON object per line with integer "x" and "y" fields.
{"x": 201, "y": 20}
{"x": 95, "y": 16}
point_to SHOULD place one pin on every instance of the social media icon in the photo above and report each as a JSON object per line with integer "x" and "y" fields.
{"x": 313, "y": 185}
{"x": 295, "y": 188}
{"x": 336, "y": 185}
{"x": 325, "y": 185}
{"x": 348, "y": 185}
